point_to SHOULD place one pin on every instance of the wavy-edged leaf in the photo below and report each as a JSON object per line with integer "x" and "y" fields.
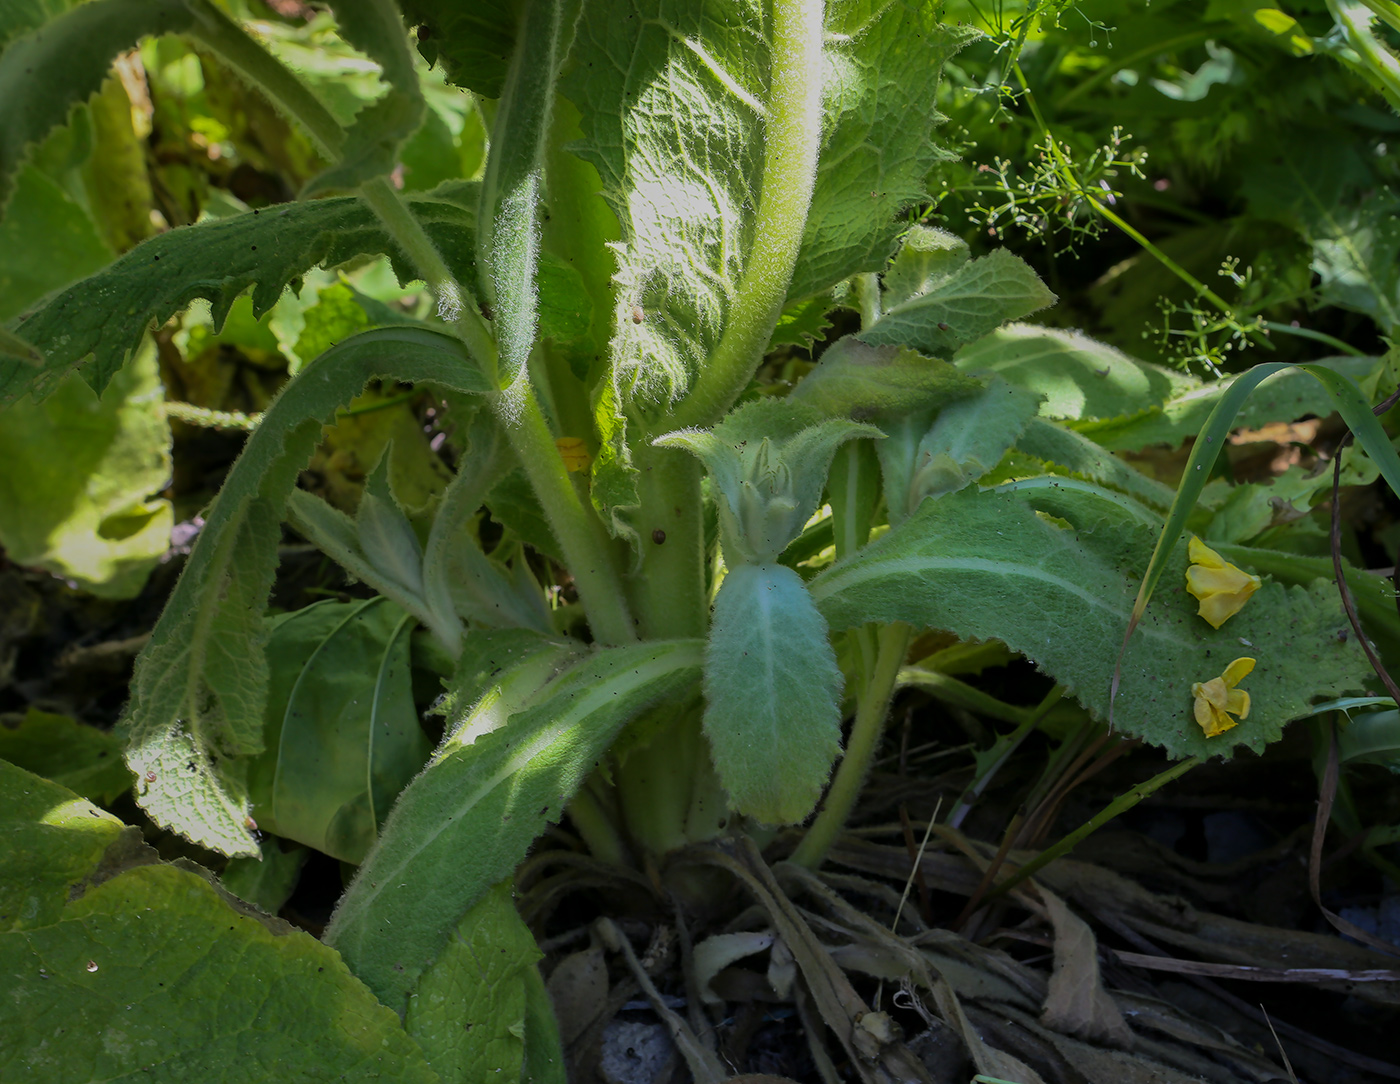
{"x": 151, "y": 972}
{"x": 1051, "y": 570}
{"x": 884, "y": 62}
{"x": 342, "y": 729}
{"x": 468, "y": 1012}
{"x": 473, "y": 42}
{"x": 47, "y": 71}
{"x": 977, "y": 298}
{"x": 464, "y": 824}
{"x": 1079, "y": 376}
{"x": 104, "y": 317}
{"x": 200, "y": 684}
{"x": 1066, "y": 449}
{"x": 772, "y": 689}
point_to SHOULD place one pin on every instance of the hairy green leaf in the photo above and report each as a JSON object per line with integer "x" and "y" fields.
{"x": 884, "y": 62}
{"x": 772, "y": 690}
{"x": 864, "y": 383}
{"x": 77, "y": 489}
{"x": 1052, "y": 570}
{"x": 105, "y": 316}
{"x": 768, "y": 461}
{"x": 925, "y": 258}
{"x": 1079, "y": 377}
{"x": 464, "y": 824}
{"x": 977, "y": 298}
{"x": 72, "y": 754}
{"x": 508, "y": 238}
{"x": 200, "y": 684}
{"x": 468, "y": 1012}
{"x": 342, "y": 730}
{"x": 153, "y": 975}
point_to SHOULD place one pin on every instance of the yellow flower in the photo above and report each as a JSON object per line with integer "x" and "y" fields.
{"x": 1222, "y": 588}
{"x": 1218, "y": 699}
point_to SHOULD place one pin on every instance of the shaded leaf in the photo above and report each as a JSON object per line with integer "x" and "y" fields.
{"x": 76, "y": 491}
{"x": 267, "y": 882}
{"x": 1079, "y": 377}
{"x": 342, "y": 732}
{"x": 869, "y": 383}
{"x": 925, "y": 258}
{"x": 82, "y": 758}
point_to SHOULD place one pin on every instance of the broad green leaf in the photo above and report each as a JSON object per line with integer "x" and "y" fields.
{"x": 975, "y": 299}
{"x": 200, "y": 685}
{"x": 867, "y": 383}
{"x": 46, "y": 242}
{"x": 671, "y": 96}
{"x": 772, "y": 689}
{"x": 473, "y": 42}
{"x": 512, "y": 502}
{"x": 802, "y": 323}
{"x": 153, "y": 975}
{"x": 469, "y": 1011}
{"x": 50, "y": 841}
{"x": 72, "y": 754}
{"x": 53, "y": 67}
{"x": 1052, "y": 570}
{"x": 1250, "y": 509}
{"x": 1079, "y": 377}
{"x": 79, "y": 478}
{"x": 268, "y": 881}
{"x": 508, "y": 227}
{"x": 105, "y": 316}
{"x": 1064, "y": 448}
{"x": 467, "y": 820}
{"x": 925, "y": 258}
{"x": 965, "y": 441}
{"x": 880, "y": 100}
{"x": 768, "y": 461}
{"x": 342, "y": 730}
{"x": 1283, "y": 397}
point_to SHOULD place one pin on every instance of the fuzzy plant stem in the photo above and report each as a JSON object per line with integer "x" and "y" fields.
{"x": 792, "y": 138}
{"x": 580, "y": 535}
{"x": 873, "y": 705}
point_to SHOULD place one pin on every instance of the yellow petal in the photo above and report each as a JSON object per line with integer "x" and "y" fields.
{"x": 1237, "y": 671}
{"x": 1201, "y": 554}
{"x": 1238, "y": 704}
